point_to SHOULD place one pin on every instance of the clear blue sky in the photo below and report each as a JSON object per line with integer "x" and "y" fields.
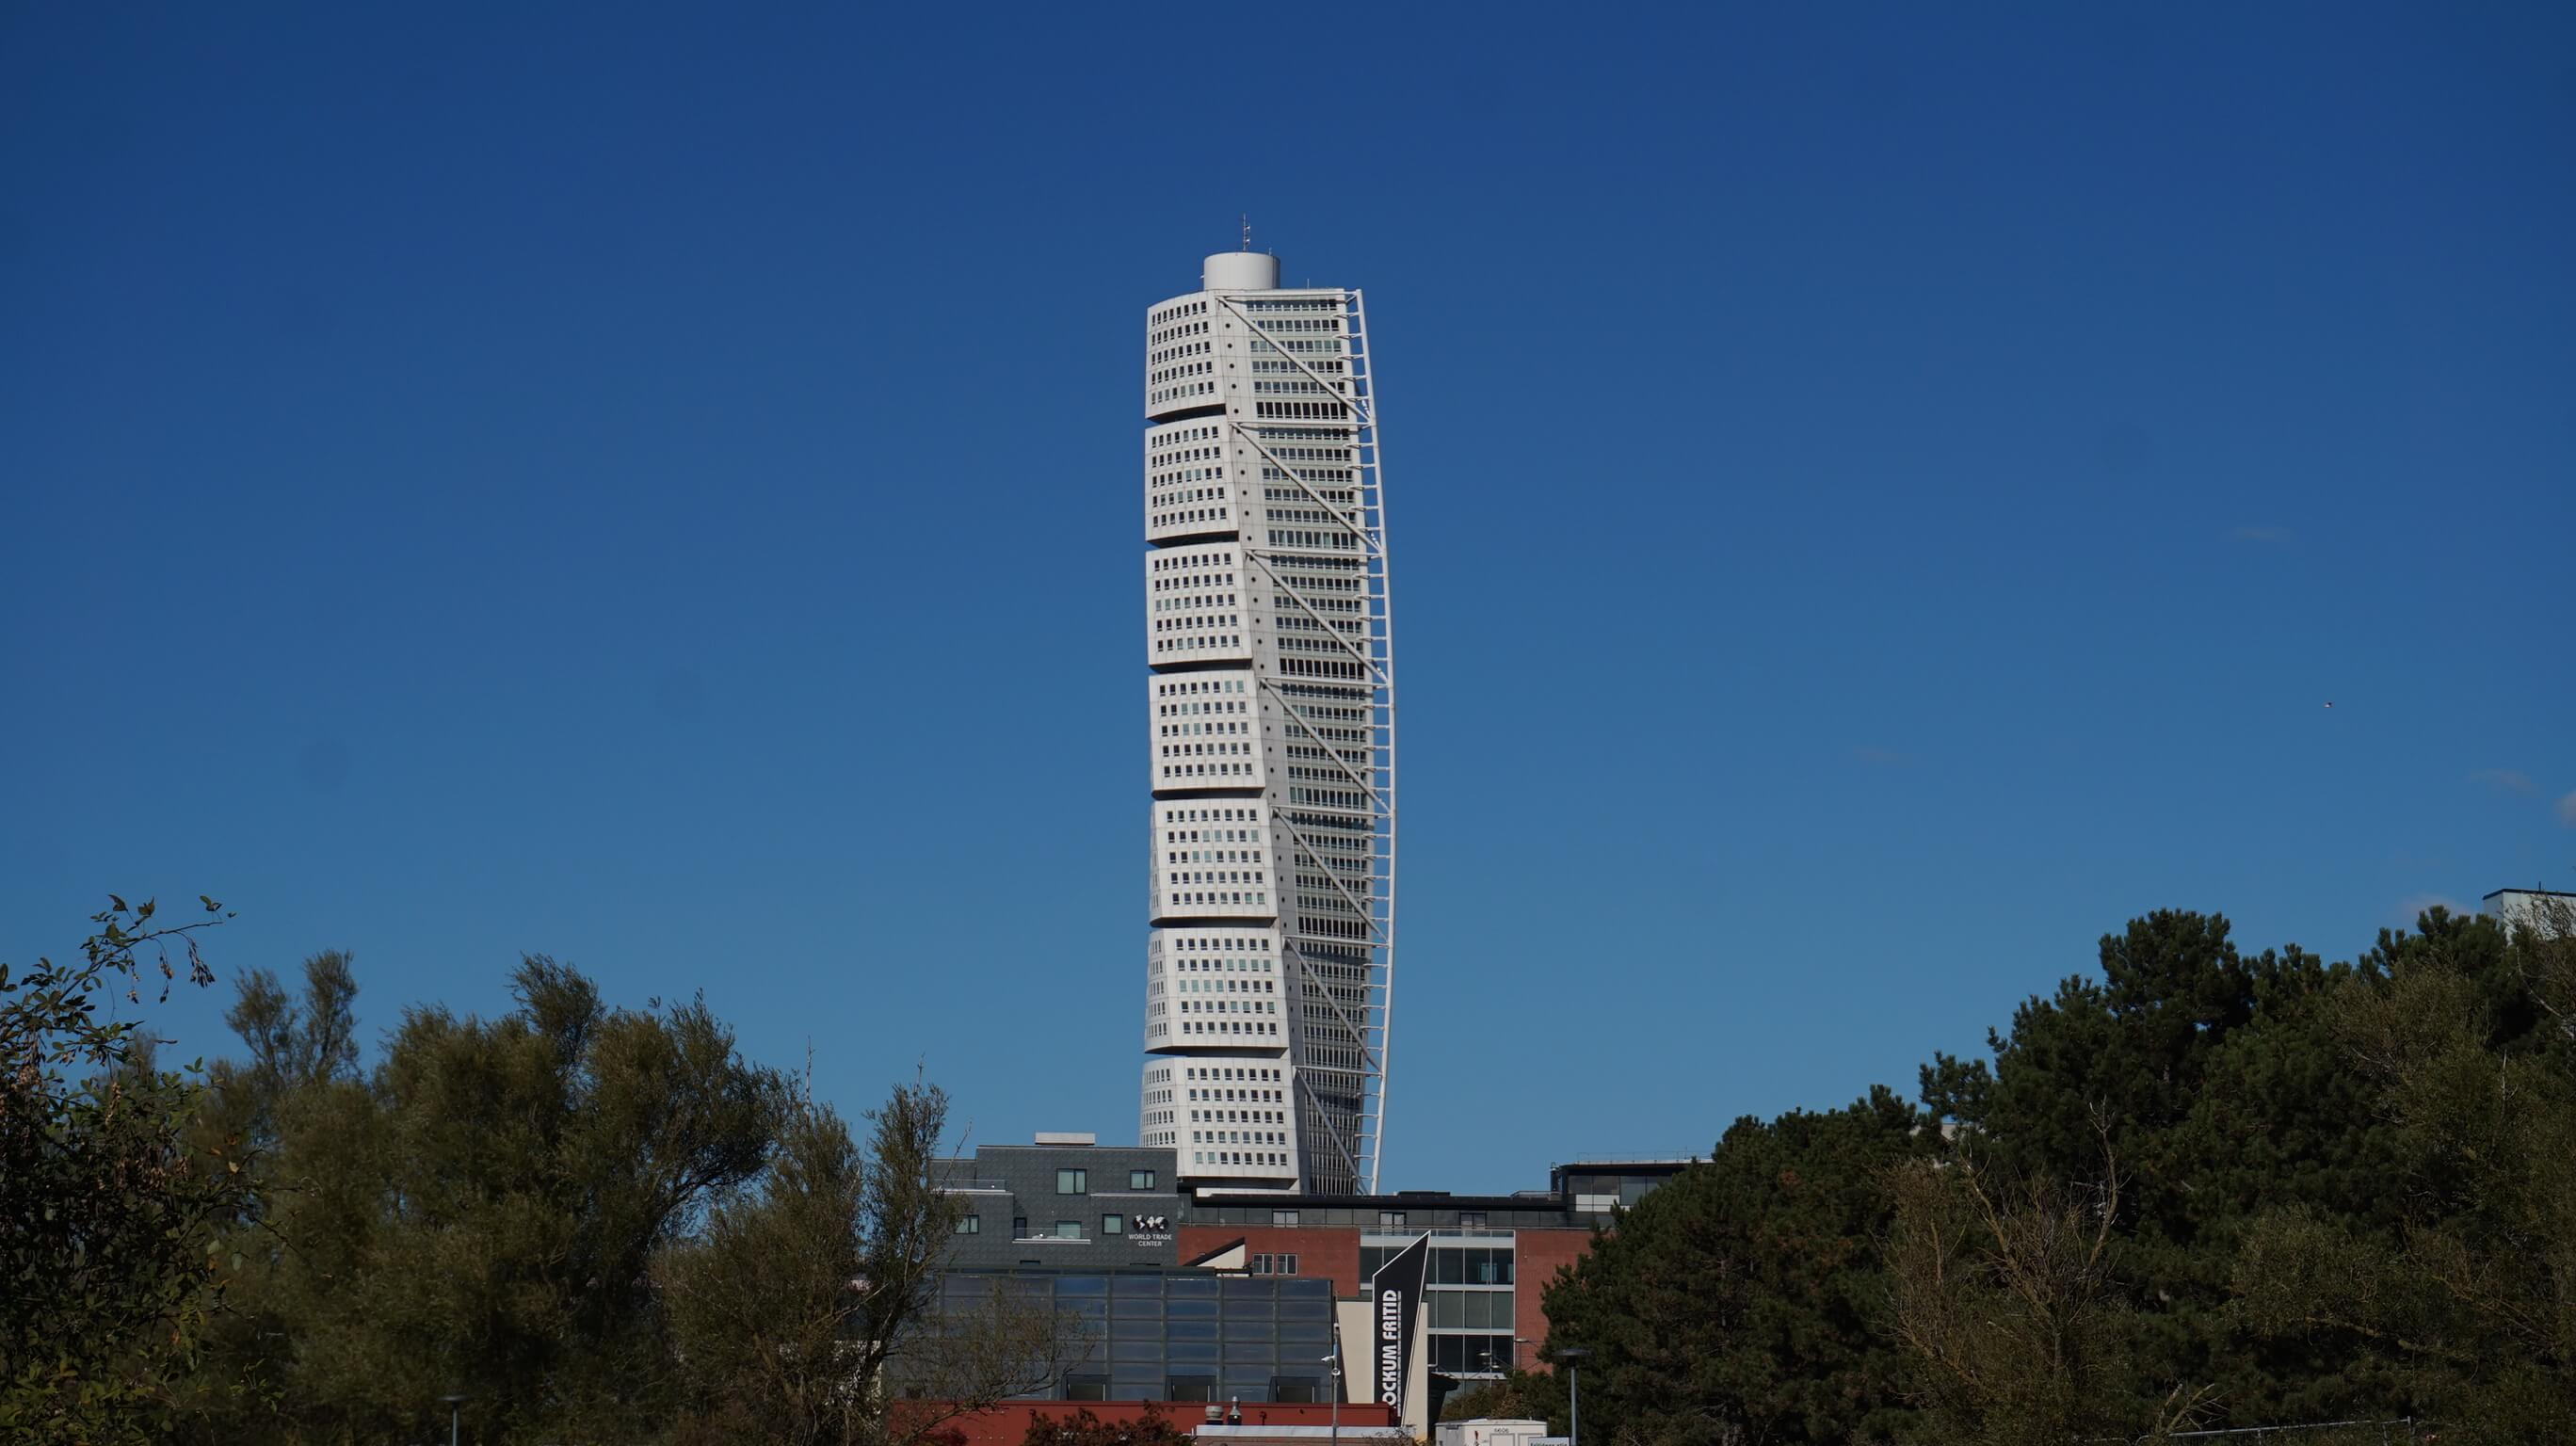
{"x": 1879, "y": 500}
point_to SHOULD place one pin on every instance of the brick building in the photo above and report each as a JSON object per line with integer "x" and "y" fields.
{"x": 1065, "y": 1207}
{"x": 1492, "y": 1256}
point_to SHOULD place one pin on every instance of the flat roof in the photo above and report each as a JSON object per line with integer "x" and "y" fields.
{"x": 1549, "y": 1201}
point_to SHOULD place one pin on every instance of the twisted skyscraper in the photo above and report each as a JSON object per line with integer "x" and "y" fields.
{"x": 1271, "y": 708}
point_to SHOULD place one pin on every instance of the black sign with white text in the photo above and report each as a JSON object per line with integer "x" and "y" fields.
{"x": 1395, "y": 1295}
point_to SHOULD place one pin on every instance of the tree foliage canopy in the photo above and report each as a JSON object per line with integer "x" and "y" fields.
{"x": 110, "y": 1201}
{"x": 590, "y": 1222}
{"x": 2201, "y": 1188}
{"x": 1738, "y": 1302}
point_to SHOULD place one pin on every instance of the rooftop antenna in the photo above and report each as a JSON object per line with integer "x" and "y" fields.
{"x": 1247, "y": 230}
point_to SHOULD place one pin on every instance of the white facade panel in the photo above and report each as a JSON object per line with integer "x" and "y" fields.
{"x": 1205, "y": 731}
{"x": 1196, "y": 607}
{"x": 1213, "y": 859}
{"x": 1188, "y": 492}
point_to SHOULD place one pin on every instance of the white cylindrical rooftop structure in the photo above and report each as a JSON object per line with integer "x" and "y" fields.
{"x": 1240, "y": 271}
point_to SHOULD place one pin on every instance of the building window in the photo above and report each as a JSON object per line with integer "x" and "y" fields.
{"x": 1019, "y": 1227}
{"x": 1086, "y": 1388}
{"x": 970, "y": 1224}
{"x": 1073, "y": 1182}
{"x": 1190, "y": 1388}
{"x": 1471, "y": 1265}
{"x": 1068, "y": 1230}
{"x": 1283, "y": 1217}
{"x": 1471, "y": 1219}
{"x": 1113, "y": 1224}
{"x": 1298, "y": 1389}
{"x": 1386, "y": 1218}
{"x": 1140, "y": 1179}
{"x": 1274, "y": 1265}
{"x": 1471, "y": 1354}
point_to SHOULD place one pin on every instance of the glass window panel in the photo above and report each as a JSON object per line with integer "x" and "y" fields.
{"x": 1189, "y": 1330}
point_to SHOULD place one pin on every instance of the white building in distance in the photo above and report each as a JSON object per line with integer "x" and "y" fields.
{"x": 2543, "y": 911}
{"x": 1270, "y": 705}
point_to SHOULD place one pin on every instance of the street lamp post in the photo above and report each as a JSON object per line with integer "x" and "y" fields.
{"x": 455, "y": 1405}
{"x": 1574, "y": 1356}
{"x": 1336, "y": 1358}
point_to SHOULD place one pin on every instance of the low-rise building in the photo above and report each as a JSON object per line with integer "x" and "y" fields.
{"x": 1254, "y": 1300}
{"x": 1064, "y": 1202}
{"x": 1491, "y": 1255}
{"x": 2547, "y": 912}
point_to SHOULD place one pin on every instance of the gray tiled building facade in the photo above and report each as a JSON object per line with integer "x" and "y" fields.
{"x": 1065, "y": 1205}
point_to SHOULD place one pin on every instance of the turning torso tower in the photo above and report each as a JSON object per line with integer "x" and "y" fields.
{"x": 1270, "y": 707}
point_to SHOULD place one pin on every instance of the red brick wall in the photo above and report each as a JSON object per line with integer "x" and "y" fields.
{"x": 1536, "y": 1257}
{"x": 1333, "y": 1252}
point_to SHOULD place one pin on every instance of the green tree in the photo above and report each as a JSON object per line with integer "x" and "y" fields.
{"x": 107, "y": 1214}
{"x": 1082, "y": 1428}
{"x": 2472, "y": 1037}
{"x": 811, "y": 1310}
{"x": 481, "y": 1212}
{"x": 2210, "y": 1076}
{"x": 1742, "y": 1300}
{"x": 2001, "y": 1291}
{"x": 1518, "y": 1396}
